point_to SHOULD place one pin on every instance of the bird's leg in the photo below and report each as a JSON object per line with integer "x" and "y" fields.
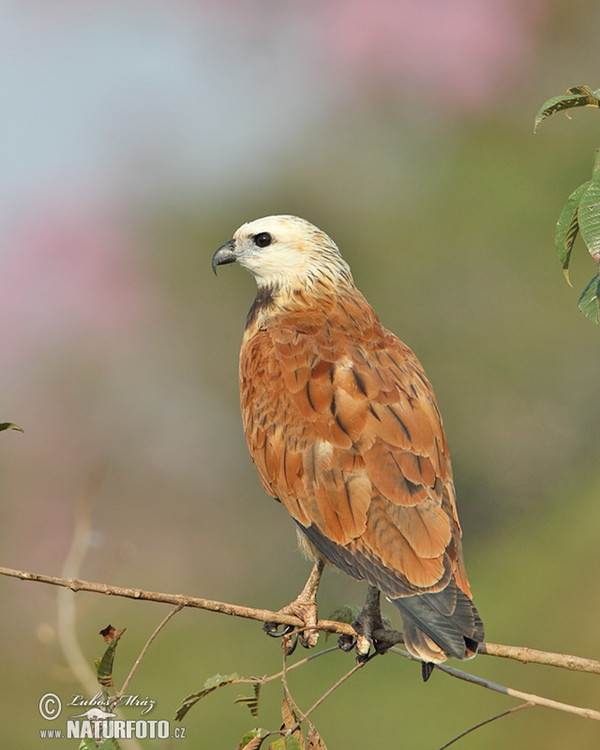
{"x": 368, "y": 621}
{"x": 304, "y": 606}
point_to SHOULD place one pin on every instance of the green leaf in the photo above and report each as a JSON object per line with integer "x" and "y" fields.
{"x": 567, "y": 227}
{"x": 578, "y": 96}
{"x": 10, "y": 426}
{"x": 251, "y": 700}
{"x": 212, "y": 683}
{"x": 104, "y": 668}
{"x": 589, "y": 302}
{"x": 596, "y": 167}
{"x": 253, "y": 739}
{"x": 289, "y": 742}
{"x": 589, "y": 217}
{"x": 347, "y": 613}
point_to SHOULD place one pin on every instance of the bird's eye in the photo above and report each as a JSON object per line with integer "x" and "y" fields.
{"x": 262, "y": 239}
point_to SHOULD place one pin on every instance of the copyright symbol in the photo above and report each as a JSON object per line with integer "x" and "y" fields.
{"x": 50, "y": 706}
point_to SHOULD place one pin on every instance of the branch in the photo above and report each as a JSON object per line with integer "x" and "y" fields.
{"x": 518, "y": 653}
{"x": 532, "y": 655}
{"x": 179, "y": 600}
{"x": 537, "y": 700}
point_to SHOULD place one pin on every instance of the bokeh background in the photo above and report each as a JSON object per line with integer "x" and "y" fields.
{"x": 135, "y": 138}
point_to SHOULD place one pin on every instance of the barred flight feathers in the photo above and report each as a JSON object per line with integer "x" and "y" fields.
{"x": 344, "y": 430}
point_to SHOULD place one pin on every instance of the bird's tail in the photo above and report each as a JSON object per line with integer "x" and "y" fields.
{"x": 439, "y": 625}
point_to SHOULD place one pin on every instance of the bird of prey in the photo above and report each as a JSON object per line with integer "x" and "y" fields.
{"x": 344, "y": 430}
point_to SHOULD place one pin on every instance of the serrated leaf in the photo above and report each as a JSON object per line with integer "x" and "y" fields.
{"x": 589, "y": 302}
{"x": 10, "y": 426}
{"x": 567, "y": 226}
{"x": 212, "y": 683}
{"x": 251, "y": 700}
{"x": 578, "y": 96}
{"x": 104, "y": 669}
{"x": 588, "y": 216}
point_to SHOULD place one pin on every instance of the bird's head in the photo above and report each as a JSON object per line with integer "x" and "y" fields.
{"x": 285, "y": 252}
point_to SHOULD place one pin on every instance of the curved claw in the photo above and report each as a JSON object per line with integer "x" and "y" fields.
{"x": 271, "y": 629}
{"x": 291, "y": 644}
{"x": 346, "y": 642}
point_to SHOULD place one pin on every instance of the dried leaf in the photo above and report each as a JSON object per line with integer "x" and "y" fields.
{"x": 253, "y": 744}
{"x": 288, "y": 715}
{"x": 290, "y": 719}
{"x": 314, "y": 740}
{"x": 253, "y": 739}
{"x": 108, "y": 633}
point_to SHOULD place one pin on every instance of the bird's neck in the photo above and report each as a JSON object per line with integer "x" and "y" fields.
{"x": 276, "y": 305}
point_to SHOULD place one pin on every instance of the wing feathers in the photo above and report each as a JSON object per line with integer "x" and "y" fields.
{"x": 383, "y": 465}
{"x": 344, "y": 430}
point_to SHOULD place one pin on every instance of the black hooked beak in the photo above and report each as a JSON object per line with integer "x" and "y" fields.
{"x": 225, "y": 254}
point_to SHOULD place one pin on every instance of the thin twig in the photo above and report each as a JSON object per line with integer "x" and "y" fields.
{"x": 165, "y": 620}
{"x": 508, "y": 711}
{"x": 336, "y": 685}
{"x": 287, "y": 696}
{"x": 305, "y": 714}
{"x": 538, "y": 700}
{"x": 522, "y": 654}
{"x": 270, "y": 678}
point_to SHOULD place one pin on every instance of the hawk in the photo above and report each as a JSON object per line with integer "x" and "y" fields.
{"x": 344, "y": 430}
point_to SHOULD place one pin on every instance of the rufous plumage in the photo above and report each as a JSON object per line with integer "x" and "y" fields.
{"x": 344, "y": 430}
